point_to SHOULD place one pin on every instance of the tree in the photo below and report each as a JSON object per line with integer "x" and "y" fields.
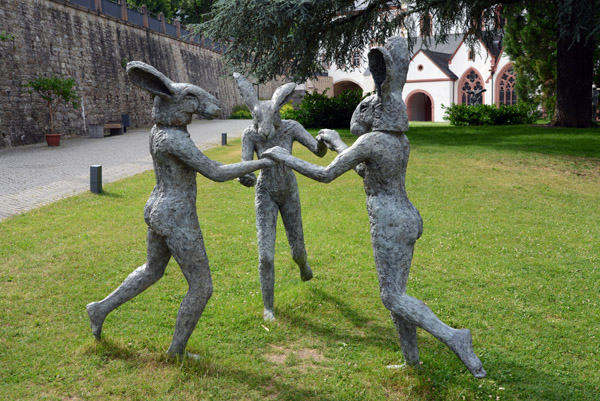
{"x": 192, "y": 11}
{"x": 292, "y": 37}
{"x": 530, "y": 42}
{"x": 156, "y": 6}
{"x": 188, "y": 11}
{"x": 54, "y": 89}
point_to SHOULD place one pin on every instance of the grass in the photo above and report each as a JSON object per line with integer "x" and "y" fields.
{"x": 509, "y": 250}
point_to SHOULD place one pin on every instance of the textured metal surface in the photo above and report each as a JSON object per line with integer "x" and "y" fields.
{"x": 173, "y": 227}
{"x": 276, "y": 188}
{"x": 381, "y": 153}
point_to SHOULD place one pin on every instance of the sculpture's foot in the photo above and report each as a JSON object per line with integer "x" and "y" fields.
{"x": 96, "y": 318}
{"x": 462, "y": 345}
{"x": 306, "y": 272}
{"x": 176, "y": 352}
{"x": 413, "y": 361}
{"x": 268, "y": 315}
{"x": 405, "y": 365}
{"x": 195, "y": 357}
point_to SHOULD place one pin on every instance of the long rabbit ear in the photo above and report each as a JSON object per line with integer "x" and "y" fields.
{"x": 380, "y": 65}
{"x": 247, "y": 90}
{"x": 149, "y": 78}
{"x": 389, "y": 66}
{"x": 282, "y": 94}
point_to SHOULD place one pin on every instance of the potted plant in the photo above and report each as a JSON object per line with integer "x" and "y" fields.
{"x": 54, "y": 89}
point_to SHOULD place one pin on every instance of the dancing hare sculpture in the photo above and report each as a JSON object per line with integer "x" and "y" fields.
{"x": 276, "y": 188}
{"x": 382, "y": 150}
{"x": 170, "y": 213}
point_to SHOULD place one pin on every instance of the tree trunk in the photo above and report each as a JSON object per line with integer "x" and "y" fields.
{"x": 574, "y": 78}
{"x": 574, "y": 84}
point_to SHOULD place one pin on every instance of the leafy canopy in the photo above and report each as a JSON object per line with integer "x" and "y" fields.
{"x": 271, "y": 38}
{"x": 187, "y": 11}
{"x": 294, "y": 37}
{"x": 530, "y": 41}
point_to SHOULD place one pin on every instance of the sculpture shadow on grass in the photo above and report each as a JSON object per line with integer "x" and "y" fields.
{"x": 365, "y": 330}
{"x": 268, "y": 385}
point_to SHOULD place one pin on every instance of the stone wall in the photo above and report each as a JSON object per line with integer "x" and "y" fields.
{"x": 56, "y": 37}
{"x": 320, "y": 85}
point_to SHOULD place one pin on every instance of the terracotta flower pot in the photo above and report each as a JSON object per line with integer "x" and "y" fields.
{"x": 52, "y": 139}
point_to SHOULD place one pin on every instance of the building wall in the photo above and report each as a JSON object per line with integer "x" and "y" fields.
{"x": 56, "y": 37}
{"x": 356, "y": 75}
{"x": 422, "y": 68}
{"x": 440, "y": 93}
{"x": 444, "y": 91}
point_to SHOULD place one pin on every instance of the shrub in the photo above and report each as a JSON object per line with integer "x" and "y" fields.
{"x": 240, "y": 112}
{"x": 54, "y": 89}
{"x": 288, "y": 112}
{"x": 317, "y": 110}
{"x": 484, "y": 114}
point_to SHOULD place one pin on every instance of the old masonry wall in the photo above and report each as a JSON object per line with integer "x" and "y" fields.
{"x": 57, "y": 37}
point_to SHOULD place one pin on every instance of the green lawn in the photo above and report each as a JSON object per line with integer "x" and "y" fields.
{"x": 510, "y": 249}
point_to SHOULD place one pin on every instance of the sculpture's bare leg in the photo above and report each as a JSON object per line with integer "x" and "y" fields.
{"x": 407, "y": 333}
{"x": 393, "y": 259}
{"x": 291, "y": 215}
{"x": 188, "y": 250}
{"x": 266, "y": 224}
{"x": 158, "y": 256}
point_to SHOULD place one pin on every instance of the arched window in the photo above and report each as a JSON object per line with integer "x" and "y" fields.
{"x": 506, "y": 86}
{"x": 471, "y": 83}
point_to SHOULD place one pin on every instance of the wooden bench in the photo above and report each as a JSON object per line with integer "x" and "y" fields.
{"x": 102, "y": 130}
{"x": 114, "y": 128}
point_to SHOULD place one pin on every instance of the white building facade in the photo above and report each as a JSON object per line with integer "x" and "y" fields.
{"x": 440, "y": 75}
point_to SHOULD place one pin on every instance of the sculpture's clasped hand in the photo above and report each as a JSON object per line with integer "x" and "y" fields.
{"x": 248, "y": 180}
{"x": 329, "y": 137}
{"x": 276, "y": 153}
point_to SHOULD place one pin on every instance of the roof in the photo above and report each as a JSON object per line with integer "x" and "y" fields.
{"x": 441, "y": 52}
{"x": 441, "y": 60}
{"x": 449, "y": 46}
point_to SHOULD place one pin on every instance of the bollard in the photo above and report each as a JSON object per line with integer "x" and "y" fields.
{"x": 224, "y": 139}
{"x": 96, "y": 179}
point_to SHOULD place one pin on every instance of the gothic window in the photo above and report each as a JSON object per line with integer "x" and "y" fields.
{"x": 506, "y": 87}
{"x": 471, "y": 83}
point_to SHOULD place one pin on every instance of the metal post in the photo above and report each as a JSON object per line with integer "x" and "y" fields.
{"x": 224, "y": 139}
{"x": 96, "y": 179}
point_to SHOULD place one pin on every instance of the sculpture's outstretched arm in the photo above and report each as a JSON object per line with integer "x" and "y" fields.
{"x": 248, "y": 149}
{"x": 247, "y": 145}
{"x": 192, "y": 157}
{"x": 333, "y": 141}
{"x": 345, "y": 161}
{"x": 305, "y": 138}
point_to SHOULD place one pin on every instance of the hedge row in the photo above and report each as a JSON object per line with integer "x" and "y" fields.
{"x": 317, "y": 110}
{"x": 484, "y": 114}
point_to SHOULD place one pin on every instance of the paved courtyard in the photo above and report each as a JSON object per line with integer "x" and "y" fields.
{"x": 35, "y": 175}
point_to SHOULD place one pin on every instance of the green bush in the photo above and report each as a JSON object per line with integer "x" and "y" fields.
{"x": 54, "y": 89}
{"x": 288, "y": 112}
{"x": 317, "y": 110}
{"x": 240, "y": 112}
{"x": 484, "y": 114}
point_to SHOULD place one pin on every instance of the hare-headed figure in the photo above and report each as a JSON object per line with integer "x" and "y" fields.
{"x": 170, "y": 213}
{"x": 276, "y": 188}
{"x": 382, "y": 151}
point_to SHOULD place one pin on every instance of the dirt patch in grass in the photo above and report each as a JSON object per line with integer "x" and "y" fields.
{"x": 560, "y": 165}
{"x": 303, "y": 358}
